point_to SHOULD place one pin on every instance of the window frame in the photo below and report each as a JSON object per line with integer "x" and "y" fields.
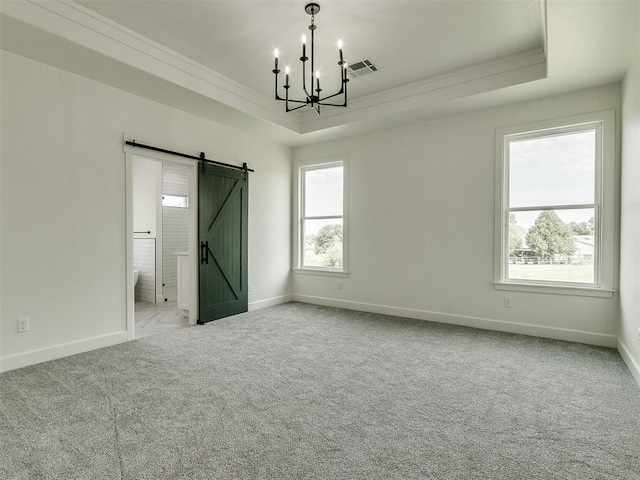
{"x": 300, "y": 168}
{"x": 604, "y": 213}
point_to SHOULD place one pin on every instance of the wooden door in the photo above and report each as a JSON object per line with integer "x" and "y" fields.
{"x": 222, "y": 233}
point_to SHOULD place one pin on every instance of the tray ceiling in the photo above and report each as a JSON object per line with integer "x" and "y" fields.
{"x": 216, "y": 55}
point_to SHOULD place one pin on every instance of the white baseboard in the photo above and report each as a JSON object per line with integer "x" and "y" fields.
{"x": 463, "y": 320}
{"x": 32, "y": 357}
{"x": 632, "y": 365}
{"x": 270, "y": 302}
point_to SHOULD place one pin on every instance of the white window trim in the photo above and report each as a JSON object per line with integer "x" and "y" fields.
{"x": 605, "y": 213}
{"x": 298, "y": 169}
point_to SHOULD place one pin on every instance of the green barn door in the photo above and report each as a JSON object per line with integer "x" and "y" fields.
{"x": 222, "y": 232}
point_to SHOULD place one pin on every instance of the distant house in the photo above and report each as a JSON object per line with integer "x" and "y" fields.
{"x": 584, "y": 247}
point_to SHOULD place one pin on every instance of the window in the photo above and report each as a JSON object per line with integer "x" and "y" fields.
{"x": 179, "y": 201}
{"x": 321, "y": 222}
{"x": 554, "y": 218}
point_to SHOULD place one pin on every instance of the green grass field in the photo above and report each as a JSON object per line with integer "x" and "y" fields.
{"x": 553, "y": 273}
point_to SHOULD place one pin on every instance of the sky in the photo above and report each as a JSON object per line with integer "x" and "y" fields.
{"x": 323, "y": 192}
{"x": 553, "y": 170}
{"x": 323, "y": 196}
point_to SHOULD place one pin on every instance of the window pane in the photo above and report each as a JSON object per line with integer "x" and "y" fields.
{"x": 179, "y": 201}
{"x": 323, "y": 192}
{"x": 552, "y": 246}
{"x": 553, "y": 170}
{"x": 322, "y": 246}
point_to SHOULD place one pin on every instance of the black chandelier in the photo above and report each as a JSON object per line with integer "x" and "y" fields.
{"x": 312, "y": 95}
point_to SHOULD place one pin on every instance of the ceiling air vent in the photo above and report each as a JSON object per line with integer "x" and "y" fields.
{"x": 358, "y": 69}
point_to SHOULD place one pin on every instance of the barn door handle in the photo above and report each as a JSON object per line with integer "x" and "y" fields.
{"x": 204, "y": 253}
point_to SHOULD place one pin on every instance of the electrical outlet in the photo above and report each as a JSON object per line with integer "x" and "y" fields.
{"x": 340, "y": 285}
{"x": 23, "y": 324}
{"x": 508, "y": 302}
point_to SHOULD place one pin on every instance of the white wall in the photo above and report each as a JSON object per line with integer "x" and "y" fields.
{"x": 175, "y": 227}
{"x": 421, "y": 229}
{"x": 147, "y": 184}
{"x": 630, "y": 219}
{"x": 62, "y": 197}
{"x": 147, "y": 217}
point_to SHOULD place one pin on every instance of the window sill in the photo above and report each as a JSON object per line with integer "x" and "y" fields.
{"x": 321, "y": 271}
{"x": 555, "y": 289}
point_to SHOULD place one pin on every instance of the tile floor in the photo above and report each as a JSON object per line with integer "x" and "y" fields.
{"x": 154, "y": 318}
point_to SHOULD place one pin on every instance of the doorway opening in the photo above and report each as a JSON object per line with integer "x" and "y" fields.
{"x": 161, "y": 253}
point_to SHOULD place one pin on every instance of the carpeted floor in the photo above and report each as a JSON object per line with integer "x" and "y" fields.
{"x": 305, "y": 392}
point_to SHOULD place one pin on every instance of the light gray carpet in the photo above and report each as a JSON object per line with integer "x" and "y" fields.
{"x": 305, "y": 392}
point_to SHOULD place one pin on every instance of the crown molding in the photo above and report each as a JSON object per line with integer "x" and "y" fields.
{"x": 75, "y": 23}
{"x": 498, "y": 73}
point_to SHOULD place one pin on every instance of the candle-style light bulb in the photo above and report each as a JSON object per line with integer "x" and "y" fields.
{"x": 340, "y": 49}
{"x": 304, "y": 47}
{"x": 318, "y": 81}
{"x": 286, "y": 71}
{"x": 275, "y": 54}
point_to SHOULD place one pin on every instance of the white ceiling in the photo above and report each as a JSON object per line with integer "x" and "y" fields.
{"x": 436, "y": 57}
{"x": 409, "y": 40}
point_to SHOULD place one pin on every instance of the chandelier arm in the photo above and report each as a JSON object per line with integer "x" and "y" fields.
{"x": 296, "y": 108}
{"x": 344, "y": 85}
{"x": 276, "y": 71}
{"x": 278, "y": 97}
{"x": 293, "y": 100}
{"x": 343, "y": 74}
{"x": 334, "y": 95}
{"x": 341, "y": 92}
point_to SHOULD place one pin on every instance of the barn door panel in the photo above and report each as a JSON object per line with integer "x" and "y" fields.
{"x": 222, "y": 232}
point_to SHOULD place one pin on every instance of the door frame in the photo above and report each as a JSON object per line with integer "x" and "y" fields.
{"x": 130, "y": 156}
